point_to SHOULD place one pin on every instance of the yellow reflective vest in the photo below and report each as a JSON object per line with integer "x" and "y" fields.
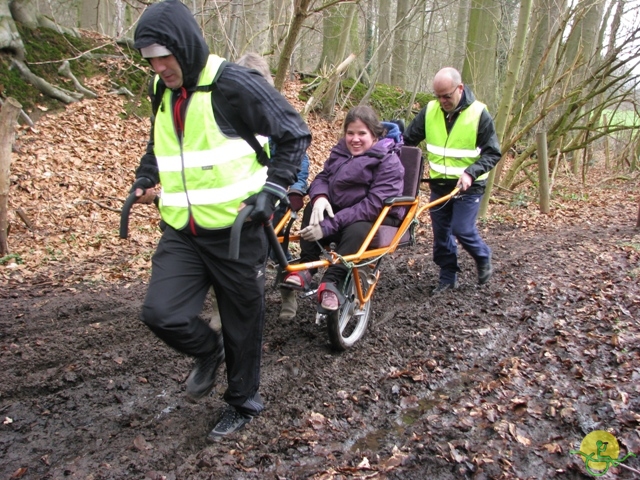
{"x": 450, "y": 153}
{"x": 204, "y": 174}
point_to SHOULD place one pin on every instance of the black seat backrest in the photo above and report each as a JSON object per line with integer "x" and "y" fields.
{"x": 411, "y": 158}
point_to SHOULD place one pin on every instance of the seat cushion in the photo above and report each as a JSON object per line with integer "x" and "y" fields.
{"x": 385, "y": 234}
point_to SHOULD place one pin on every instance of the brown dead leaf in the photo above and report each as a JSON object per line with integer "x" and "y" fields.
{"x": 317, "y": 420}
{"x": 518, "y": 435}
{"x": 141, "y": 444}
{"x": 410, "y": 401}
{"x": 396, "y": 459}
{"x": 552, "y": 447}
{"x": 19, "y": 473}
{"x": 456, "y": 456}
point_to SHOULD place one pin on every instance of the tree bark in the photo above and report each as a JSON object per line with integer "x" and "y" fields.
{"x": 330, "y": 99}
{"x": 462, "y": 23}
{"x": 384, "y": 35}
{"x": 479, "y": 71}
{"x": 65, "y": 70}
{"x": 8, "y": 117}
{"x": 44, "y": 86}
{"x": 400, "y": 50}
{"x": 543, "y": 172}
{"x": 299, "y": 15}
{"x": 508, "y": 89}
{"x": 10, "y": 40}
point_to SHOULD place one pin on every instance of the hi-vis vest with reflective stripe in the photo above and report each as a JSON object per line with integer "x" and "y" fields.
{"x": 450, "y": 153}
{"x": 207, "y": 175}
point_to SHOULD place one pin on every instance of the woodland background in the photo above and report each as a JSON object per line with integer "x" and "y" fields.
{"x": 501, "y": 382}
{"x": 569, "y": 69}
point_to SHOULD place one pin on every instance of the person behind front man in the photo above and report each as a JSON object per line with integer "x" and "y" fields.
{"x": 296, "y": 192}
{"x": 462, "y": 147}
{"x": 208, "y": 172}
{"x": 347, "y": 196}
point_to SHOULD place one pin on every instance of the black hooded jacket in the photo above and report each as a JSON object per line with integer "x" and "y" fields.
{"x": 487, "y": 141}
{"x": 248, "y": 95}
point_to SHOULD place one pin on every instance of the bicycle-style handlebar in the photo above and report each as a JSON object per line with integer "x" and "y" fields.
{"x": 124, "y": 215}
{"x": 236, "y": 231}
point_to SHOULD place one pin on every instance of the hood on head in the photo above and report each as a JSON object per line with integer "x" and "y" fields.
{"x": 171, "y": 24}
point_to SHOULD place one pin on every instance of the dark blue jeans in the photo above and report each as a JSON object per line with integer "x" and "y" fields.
{"x": 456, "y": 219}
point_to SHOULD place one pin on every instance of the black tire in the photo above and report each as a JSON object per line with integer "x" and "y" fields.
{"x": 349, "y": 323}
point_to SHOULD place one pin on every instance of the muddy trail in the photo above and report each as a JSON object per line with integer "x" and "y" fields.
{"x": 498, "y": 382}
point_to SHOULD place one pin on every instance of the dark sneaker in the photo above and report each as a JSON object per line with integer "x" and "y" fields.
{"x": 230, "y": 422}
{"x": 203, "y": 376}
{"x": 442, "y": 288}
{"x": 484, "y": 272}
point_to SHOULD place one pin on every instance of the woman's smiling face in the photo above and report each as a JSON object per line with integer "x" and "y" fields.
{"x": 358, "y": 137}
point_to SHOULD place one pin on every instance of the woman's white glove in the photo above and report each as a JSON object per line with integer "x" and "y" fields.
{"x": 320, "y": 206}
{"x": 311, "y": 233}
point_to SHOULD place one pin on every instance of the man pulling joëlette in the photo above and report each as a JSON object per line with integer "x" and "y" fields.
{"x": 208, "y": 172}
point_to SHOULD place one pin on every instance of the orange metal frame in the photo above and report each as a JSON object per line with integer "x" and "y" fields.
{"x": 414, "y": 210}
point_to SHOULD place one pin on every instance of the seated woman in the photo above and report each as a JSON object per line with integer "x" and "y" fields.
{"x": 346, "y": 198}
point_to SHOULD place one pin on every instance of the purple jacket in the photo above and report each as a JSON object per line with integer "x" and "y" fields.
{"x": 358, "y": 186}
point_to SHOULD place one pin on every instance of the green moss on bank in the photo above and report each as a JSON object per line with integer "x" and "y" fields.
{"x": 46, "y": 50}
{"x": 390, "y": 102}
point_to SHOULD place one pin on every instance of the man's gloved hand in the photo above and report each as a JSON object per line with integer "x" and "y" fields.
{"x": 144, "y": 190}
{"x": 311, "y": 233}
{"x": 142, "y": 183}
{"x": 296, "y": 200}
{"x": 264, "y": 203}
{"x": 319, "y": 207}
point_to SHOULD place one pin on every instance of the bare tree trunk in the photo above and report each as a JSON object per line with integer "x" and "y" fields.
{"x": 479, "y": 71}
{"x": 426, "y": 28}
{"x": 384, "y": 20}
{"x": 8, "y": 116}
{"x": 462, "y": 23}
{"x": 333, "y": 22}
{"x": 330, "y": 99}
{"x": 230, "y": 51}
{"x": 300, "y": 12}
{"x": 400, "y": 46}
{"x": 508, "y": 90}
{"x": 369, "y": 38}
{"x": 543, "y": 172}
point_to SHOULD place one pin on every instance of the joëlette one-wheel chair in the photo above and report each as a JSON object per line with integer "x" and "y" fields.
{"x": 348, "y": 324}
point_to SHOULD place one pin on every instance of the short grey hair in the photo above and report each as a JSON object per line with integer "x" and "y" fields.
{"x": 256, "y": 62}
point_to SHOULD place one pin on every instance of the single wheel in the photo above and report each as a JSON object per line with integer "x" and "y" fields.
{"x": 349, "y": 323}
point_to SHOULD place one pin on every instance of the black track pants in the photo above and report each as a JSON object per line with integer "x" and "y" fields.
{"x": 184, "y": 267}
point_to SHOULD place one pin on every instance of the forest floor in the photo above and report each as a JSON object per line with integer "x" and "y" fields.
{"x": 495, "y": 382}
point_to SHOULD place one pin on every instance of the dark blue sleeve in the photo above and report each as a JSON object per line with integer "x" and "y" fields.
{"x": 303, "y": 176}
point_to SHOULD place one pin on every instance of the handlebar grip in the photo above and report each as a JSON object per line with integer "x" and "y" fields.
{"x": 236, "y": 230}
{"x": 275, "y": 245}
{"x": 124, "y": 215}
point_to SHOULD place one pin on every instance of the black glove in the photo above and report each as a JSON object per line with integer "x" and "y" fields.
{"x": 143, "y": 183}
{"x": 264, "y": 203}
{"x": 296, "y": 200}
